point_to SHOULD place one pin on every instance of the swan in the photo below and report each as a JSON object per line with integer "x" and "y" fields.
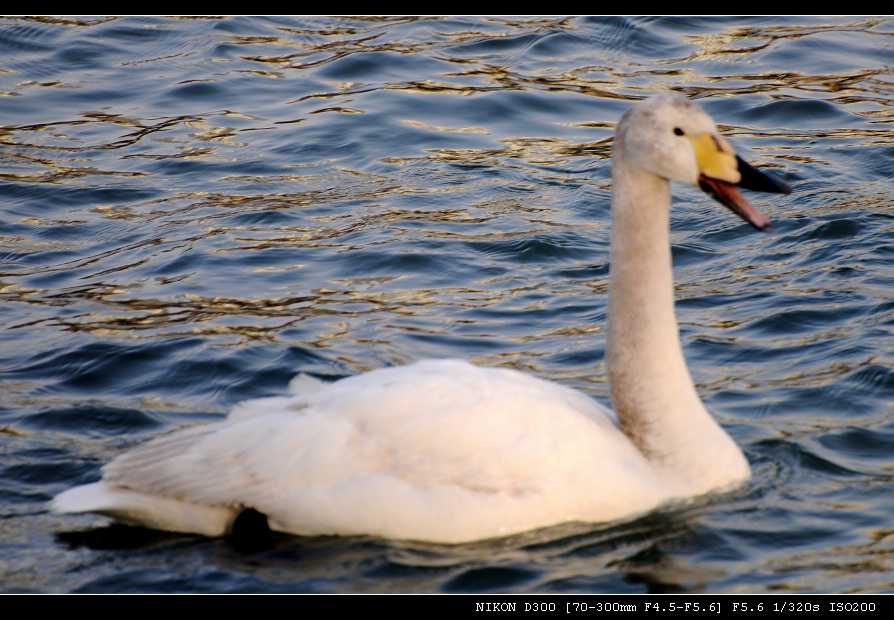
{"x": 449, "y": 452}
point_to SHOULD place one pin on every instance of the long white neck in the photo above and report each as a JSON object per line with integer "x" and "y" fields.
{"x": 651, "y": 388}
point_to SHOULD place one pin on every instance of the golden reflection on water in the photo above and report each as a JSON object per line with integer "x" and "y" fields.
{"x": 50, "y": 145}
{"x": 720, "y": 42}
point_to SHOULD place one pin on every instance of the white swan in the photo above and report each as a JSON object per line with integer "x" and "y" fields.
{"x": 446, "y": 451}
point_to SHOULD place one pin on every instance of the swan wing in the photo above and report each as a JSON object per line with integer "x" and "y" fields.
{"x": 438, "y": 450}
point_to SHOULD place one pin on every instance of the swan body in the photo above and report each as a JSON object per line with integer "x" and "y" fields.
{"x": 446, "y": 451}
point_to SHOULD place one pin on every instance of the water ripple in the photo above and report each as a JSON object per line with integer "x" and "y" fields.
{"x": 196, "y": 209}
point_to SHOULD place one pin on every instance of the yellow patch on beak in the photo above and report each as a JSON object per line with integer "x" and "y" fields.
{"x": 715, "y": 158}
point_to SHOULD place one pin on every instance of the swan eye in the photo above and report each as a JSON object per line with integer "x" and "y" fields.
{"x": 679, "y": 132}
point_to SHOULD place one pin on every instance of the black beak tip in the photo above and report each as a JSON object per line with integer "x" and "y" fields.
{"x": 758, "y": 181}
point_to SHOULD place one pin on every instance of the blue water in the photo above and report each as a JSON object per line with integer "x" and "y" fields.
{"x": 195, "y": 210}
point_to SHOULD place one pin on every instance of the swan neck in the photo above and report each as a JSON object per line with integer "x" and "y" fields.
{"x": 652, "y": 391}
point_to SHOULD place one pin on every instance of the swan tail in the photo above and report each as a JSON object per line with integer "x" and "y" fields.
{"x": 135, "y": 508}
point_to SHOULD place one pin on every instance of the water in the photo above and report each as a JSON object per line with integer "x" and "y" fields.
{"x": 195, "y": 210}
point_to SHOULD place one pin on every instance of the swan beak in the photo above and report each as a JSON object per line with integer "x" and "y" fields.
{"x": 721, "y": 171}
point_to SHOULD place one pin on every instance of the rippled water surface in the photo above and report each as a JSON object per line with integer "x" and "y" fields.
{"x": 195, "y": 210}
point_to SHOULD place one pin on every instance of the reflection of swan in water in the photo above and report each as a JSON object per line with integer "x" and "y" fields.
{"x": 446, "y": 451}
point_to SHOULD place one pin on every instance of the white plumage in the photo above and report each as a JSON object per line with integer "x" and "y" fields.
{"x": 446, "y": 451}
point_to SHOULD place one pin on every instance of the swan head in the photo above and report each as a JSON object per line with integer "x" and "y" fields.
{"x": 673, "y": 138}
